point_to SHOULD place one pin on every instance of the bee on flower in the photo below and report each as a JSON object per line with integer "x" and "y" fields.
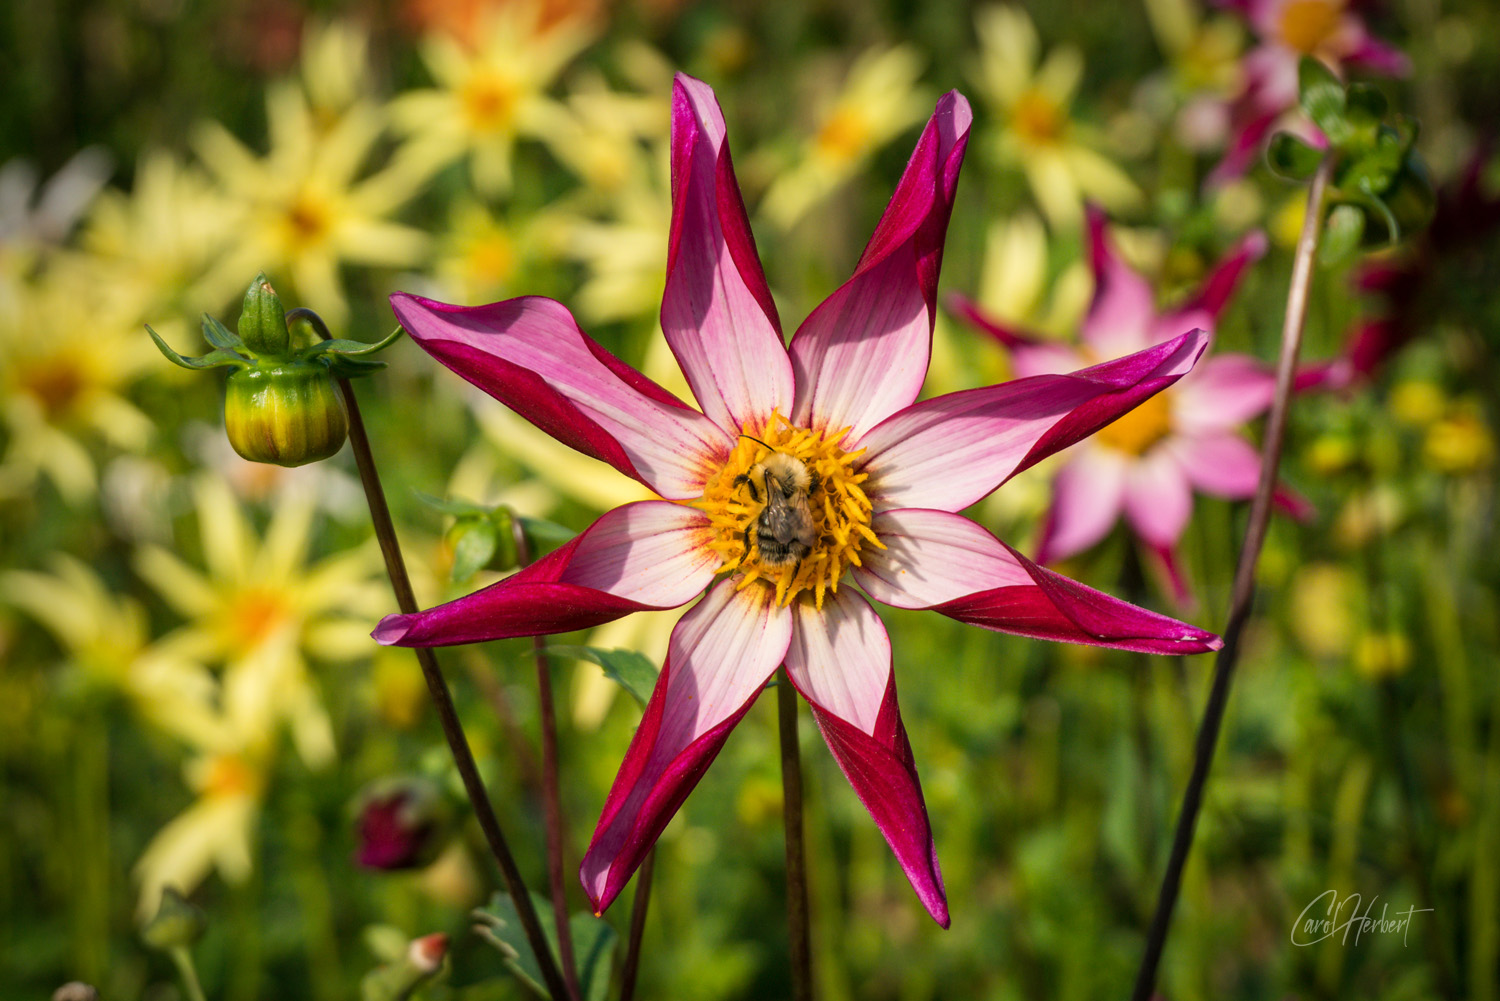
{"x": 838, "y": 402}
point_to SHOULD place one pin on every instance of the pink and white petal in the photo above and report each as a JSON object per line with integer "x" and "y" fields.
{"x": 529, "y": 354}
{"x": 1158, "y": 498}
{"x": 1088, "y": 495}
{"x": 1222, "y": 464}
{"x": 840, "y": 660}
{"x": 862, "y": 354}
{"x": 948, "y": 452}
{"x": 1009, "y": 593}
{"x": 1046, "y": 359}
{"x": 1223, "y": 393}
{"x": 1222, "y": 282}
{"x": 1169, "y": 566}
{"x": 720, "y": 656}
{"x": 976, "y": 316}
{"x": 1245, "y": 144}
{"x": 931, "y": 557}
{"x": 646, "y": 555}
{"x": 717, "y": 312}
{"x": 1123, "y": 314}
{"x": 1370, "y": 53}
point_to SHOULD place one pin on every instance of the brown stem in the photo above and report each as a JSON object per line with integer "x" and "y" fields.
{"x": 797, "y": 925}
{"x": 437, "y": 685}
{"x": 1241, "y": 597}
{"x": 552, "y": 815}
{"x": 638, "y": 908}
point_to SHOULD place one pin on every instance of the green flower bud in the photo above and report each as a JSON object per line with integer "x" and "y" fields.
{"x": 399, "y": 980}
{"x": 289, "y": 414}
{"x": 177, "y": 925}
{"x": 262, "y": 320}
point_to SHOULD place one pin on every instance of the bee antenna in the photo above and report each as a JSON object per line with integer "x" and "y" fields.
{"x": 757, "y": 441}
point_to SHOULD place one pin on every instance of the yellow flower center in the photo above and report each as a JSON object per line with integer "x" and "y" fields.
{"x": 489, "y": 102}
{"x": 754, "y": 527}
{"x": 55, "y": 381}
{"x": 307, "y": 221}
{"x": 1037, "y": 119}
{"x": 254, "y": 616}
{"x": 844, "y": 136}
{"x": 1306, "y": 24}
{"x": 230, "y": 775}
{"x": 1140, "y": 428}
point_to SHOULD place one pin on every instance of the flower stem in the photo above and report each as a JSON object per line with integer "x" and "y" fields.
{"x": 1243, "y": 593}
{"x": 184, "y": 962}
{"x": 637, "y": 926}
{"x": 552, "y": 815}
{"x": 442, "y": 698}
{"x": 797, "y": 925}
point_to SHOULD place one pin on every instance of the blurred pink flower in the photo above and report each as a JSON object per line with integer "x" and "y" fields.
{"x": 1147, "y": 465}
{"x": 838, "y": 404}
{"x": 1331, "y": 30}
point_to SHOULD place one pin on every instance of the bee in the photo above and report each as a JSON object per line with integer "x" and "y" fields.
{"x": 783, "y": 531}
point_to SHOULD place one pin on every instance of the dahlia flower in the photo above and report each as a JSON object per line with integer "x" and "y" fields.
{"x": 884, "y": 479}
{"x": 1147, "y": 465}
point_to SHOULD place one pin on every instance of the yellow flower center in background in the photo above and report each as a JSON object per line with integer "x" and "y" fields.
{"x": 1141, "y": 428}
{"x": 837, "y": 507}
{"x": 489, "y": 102}
{"x": 253, "y": 616}
{"x": 229, "y": 775}
{"x": 1306, "y": 24}
{"x": 1037, "y": 119}
{"x": 308, "y": 221}
{"x": 844, "y": 136}
{"x": 55, "y": 381}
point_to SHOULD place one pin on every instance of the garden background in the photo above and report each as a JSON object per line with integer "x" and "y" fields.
{"x": 189, "y": 696}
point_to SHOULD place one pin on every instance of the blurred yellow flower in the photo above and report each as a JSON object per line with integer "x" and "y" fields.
{"x": 1460, "y": 443}
{"x": 67, "y": 356}
{"x": 260, "y": 608}
{"x": 300, "y": 211}
{"x": 480, "y": 255}
{"x": 1037, "y": 133}
{"x": 1323, "y": 599}
{"x": 1382, "y": 655}
{"x": 878, "y": 101}
{"x": 1418, "y": 402}
{"x": 489, "y": 95}
{"x": 598, "y": 133}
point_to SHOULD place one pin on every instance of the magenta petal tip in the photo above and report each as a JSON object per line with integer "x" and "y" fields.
{"x": 392, "y": 630}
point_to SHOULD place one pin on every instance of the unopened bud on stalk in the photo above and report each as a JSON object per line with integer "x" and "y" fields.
{"x": 398, "y": 980}
{"x": 177, "y": 925}
{"x": 403, "y": 823}
{"x": 281, "y": 405}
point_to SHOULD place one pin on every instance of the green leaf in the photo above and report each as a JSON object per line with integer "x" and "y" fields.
{"x": 345, "y": 367}
{"x": 1367, "y": 105}
{"x": 1291, "y": 157}
{"x": 217, "y": 334}
{"x": 593, "y": 944}
{"x": 215, "y": 358}
{"x": 1342, "y": 234}
{"x": 474, "y": 542}
{"x": 542, "y": 530}
{"x": 1322, "y": 97}
{"x": 451, "y": 505}
{"x": 630, "y": 669}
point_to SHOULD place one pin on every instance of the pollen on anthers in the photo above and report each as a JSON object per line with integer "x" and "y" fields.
{"x": 787, "y": 511}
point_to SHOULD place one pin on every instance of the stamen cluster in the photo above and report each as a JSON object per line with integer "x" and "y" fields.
{"x": 839, "y": 509}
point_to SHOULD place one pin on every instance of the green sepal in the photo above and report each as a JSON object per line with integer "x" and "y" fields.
{"x": 178, "y": 923}
{"x": 594, "y": 943}
{"x": 1367, "y": 105}
{"x": 630, "y": 669}
{"x": 1322, "y": 96}
{"x": 1342, "y": 234}
{"x": 451, "y": 505}
{"x": 218, "y": 335}
{"x": 1292, "y": 158}
{"x": 475, "y": 541}
{"x": 348, "y": 346}
{"x": 219, "y": 356}
{"x": 542, "y": 530}
{"x": 344, "y": 367}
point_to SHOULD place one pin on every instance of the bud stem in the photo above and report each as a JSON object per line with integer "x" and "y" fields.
{"x": 1242, "y": 595}
{"x": 437, "y": 685}
{"x": 184, "y": 961}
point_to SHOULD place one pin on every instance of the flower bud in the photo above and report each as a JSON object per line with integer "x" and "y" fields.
{"x": 262, "y": 320}
{"x": 403, "y": 823}
{"x": 177, "y": 925}
{"x": 288, "y": 414}
{"x": 398, "y": 980}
